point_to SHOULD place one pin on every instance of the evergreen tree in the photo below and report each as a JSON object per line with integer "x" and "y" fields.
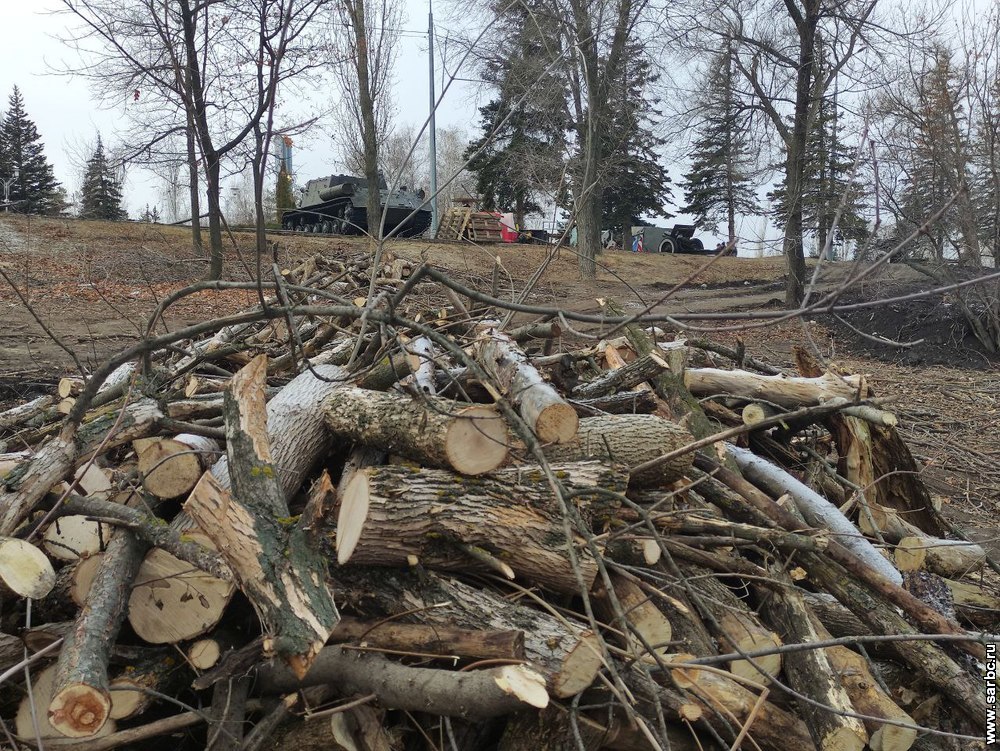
{"x": 21, "y": 154}
{"x": 827, "y": 178}
{"x": 283, "y": 198}
{"x": 635, "y": 182}
{"x": 101, "y": 193}
{"x": 521, "y": 149}
{"x": 720, "y": 184}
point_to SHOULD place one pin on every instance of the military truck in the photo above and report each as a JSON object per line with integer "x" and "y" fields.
{"x": 338, "y": 205}
{"x": 677, "y": 239}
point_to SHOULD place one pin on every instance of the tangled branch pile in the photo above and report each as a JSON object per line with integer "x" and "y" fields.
{"x": 417, "y": 528}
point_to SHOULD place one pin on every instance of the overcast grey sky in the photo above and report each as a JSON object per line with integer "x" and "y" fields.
{"x": 67, "y": 116}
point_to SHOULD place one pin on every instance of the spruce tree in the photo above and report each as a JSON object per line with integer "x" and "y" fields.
{"x": 101, "y": 194}
{"x": 720, "y": 185}
{"x": 21, "y": 154}
{"x": 635, "y": 181}
{"x": 827, "y": 179}
{"x": 520, "y": 152}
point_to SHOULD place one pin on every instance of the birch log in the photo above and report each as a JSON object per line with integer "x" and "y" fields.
{"x": 951, "y": 558}
{"x": 818, "y": 511}
{"x": 548, "y": 415}
{"x": 468, "y": 438}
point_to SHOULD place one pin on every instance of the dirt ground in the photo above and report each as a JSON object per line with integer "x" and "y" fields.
{"x": 94, "y": 285}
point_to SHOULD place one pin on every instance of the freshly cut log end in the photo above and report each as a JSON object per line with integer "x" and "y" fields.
{"x": 24, "y": 569}
{"x": 581, "y": 664}
{"x": 82, "y": 577}
{"x": 170, "y": 467}
{"x": 173, "y": 601}
{"x": 557, "y": 423}
{"x": 70, "y": 538}
{"x": 204, "y": 654}
{"x": 943, "y": 557}
{"x": 770, "y": 664}
{"x": 32, "y": 714}
{"x": 354, "y": 507}
{"x": 524, "y": 683}
{"x": 434, "y": 432}
{"x": 893, "y": 738}
{"x": 477, "y": 441}
{"x": 79, "y": 711}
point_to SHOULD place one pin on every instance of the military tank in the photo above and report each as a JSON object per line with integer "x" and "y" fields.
{"x": 337, "y": 205}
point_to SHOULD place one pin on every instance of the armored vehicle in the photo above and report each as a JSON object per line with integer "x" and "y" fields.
{"x": 678, "y": 239}
{"x": 337, "y": 204}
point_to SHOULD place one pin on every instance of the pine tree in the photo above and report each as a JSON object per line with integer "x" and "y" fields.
{"x": 283, "y": 197}
{"x": 101, "y": 193}
{"x": 21, "y": 154}
{"x": 720, "y": 185}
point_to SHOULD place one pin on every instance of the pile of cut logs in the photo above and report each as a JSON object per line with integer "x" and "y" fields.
{"x": 369, "y": 515}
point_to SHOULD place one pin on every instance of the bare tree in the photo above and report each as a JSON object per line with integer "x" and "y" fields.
{"x": 211, "y": 69}
{"x": 775, "y": 47}
{"x": 366, "y": 35}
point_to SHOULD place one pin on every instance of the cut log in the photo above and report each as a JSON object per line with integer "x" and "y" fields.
{"x": 810, "y": 673}
{"x": 629, "y": 376}
{"x": 389, "y": 370}
{"x": 298, "y": 439}
{"x": 481, "y": 693}
{"x": 32, "y": 720}
{"x": 390, "y": 513}
{"x": 69, "y": 386}
{"x": 426, "y": 639}
{"x": 851, "y": 670}
{"x": 630, "y": 440}
{"x": 470, "y": 439}
{"x": 131, "y": 690}
{"x": 756, "y": 412}
{"x": 736, "y": 627}
{"x": 974, "y": 603}
{"x": 24, "y": 569}
{"x": 173, "y": 601}
{"x": 278, "y": 566}
{"x": 645, "y": 626}
{"x": 889, "y": 524}
{"x": 784, "y": 391}
{"x": 771, "y": 727}
{"x": 627, "y": 403}
{"x": 818, "y": 511}
{"x": 548, "y": 415}
{"x": 81, "y": 702}
{"x": 22, "y": 413}
{"x": 634, "y": 551}
{"x": 70, "y": 538}
{"x": 170, "y": 467}
{"x": 204, "y": 653}
{"x": 950, "y": 558}
{"x": 560, "y": 648}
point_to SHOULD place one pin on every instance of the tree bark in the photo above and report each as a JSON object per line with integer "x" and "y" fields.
{"x": 468, "y": 438}
{"x": 480, "y": 693}
{"x": 560, "y": 648}
{"x": 785, "y": 391}
{"x": 389, "y": 514}
{"x": 629, "y": 440}
{"x": 551, "y": 418}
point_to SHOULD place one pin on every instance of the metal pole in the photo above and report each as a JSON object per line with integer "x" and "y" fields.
{"x": 433, "y": 134}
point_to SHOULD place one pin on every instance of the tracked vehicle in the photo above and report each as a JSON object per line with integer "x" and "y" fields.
{"x": 337, "y": 205}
